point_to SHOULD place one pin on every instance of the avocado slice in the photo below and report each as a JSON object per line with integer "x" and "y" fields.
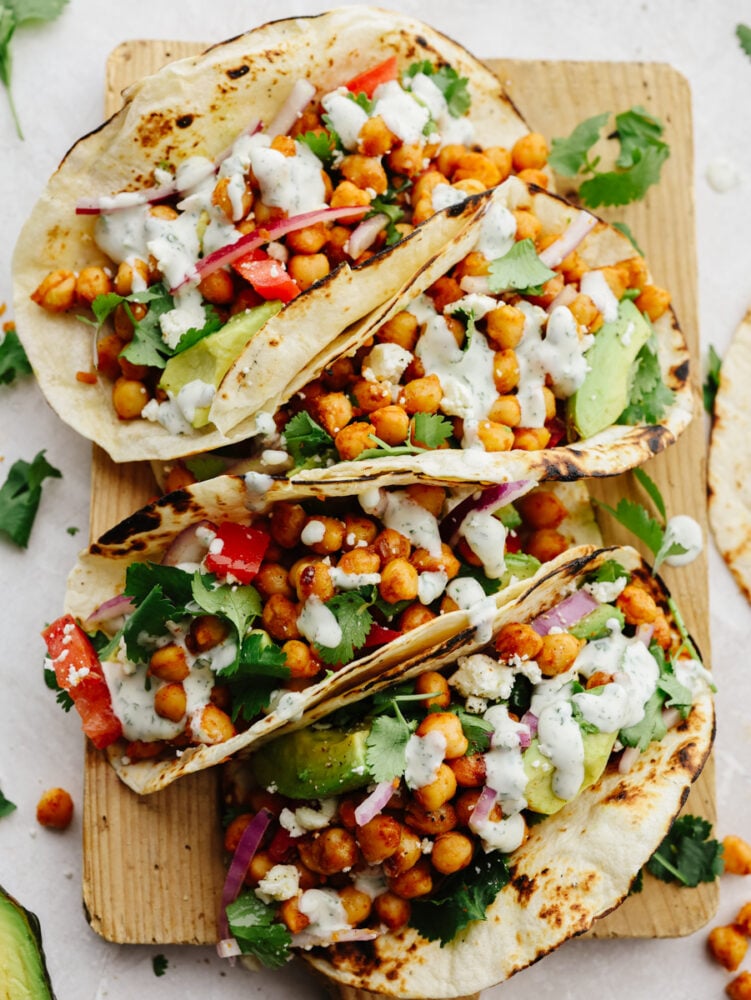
{"x": 595, "y": 624}
{"x": 314, "y": 763}
{"x": 604, "y": 393}
{"x": 539, "y": 792}
{"x": 23, "y": 970}
{"x": 210, "y": 358}
{"x": 519, "y": 566}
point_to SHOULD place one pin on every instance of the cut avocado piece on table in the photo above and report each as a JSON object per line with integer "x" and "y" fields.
{"x": 211, "y": 358}
{"x": 604, "y": 393}
{"x": 314, "y": 763}
{"x": 539, "y": 792}
{"x": 23, "y": 970}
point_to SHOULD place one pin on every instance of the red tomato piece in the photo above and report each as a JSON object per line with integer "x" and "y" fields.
{"x": 366, "y": 83}
{"x": 79, "y": 672}
{"x": 267, "y": 276}
{"x": 282, "y": 846}
{"x": 557, "y": 430}
{"x": 513, "y": 543}
{"x": 379, "y": 635}
{"x": 237, "y": 552}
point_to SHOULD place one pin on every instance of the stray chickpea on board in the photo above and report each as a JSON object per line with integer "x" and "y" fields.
{"x": 55, "y": 809}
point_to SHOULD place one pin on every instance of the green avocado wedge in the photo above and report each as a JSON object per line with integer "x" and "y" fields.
{"x": 539, "y": 792}
{"x": 211, "y": 358}
{"x": 314, "y": 763}
{"x": 604, "y": 393}
{"x": 23, "y": 970}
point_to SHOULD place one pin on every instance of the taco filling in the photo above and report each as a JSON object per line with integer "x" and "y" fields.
{"x": 239, "y": 617}
{"x": 200, "y": 260}
{"x": 408, "y": 808}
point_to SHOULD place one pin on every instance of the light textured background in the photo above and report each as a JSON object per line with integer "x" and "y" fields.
{"x": 58, "y": 83}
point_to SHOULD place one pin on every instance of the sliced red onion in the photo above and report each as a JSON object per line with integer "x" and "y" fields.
{"x": 644, "y": 633}
{"x": 264, "y": 234}
{"x": 483, "y": 807}
{"x": 307, "y": 940}
{"x": 299, "y": 98}
{"x": 670, "y": 717}
{"x": 375, "y": 803}
{"x": 564, "y": 298}
{"x": 568, "y": 612}
{"x": 115, "y": 607}
{"x": 529, "y": 719}
{"x": 569, "y": 240}
{"x": 246, "y": 848}
{"x": 365, "y": 234}
{"x": 475, "y": 284}
{"x": 489, "y": 499}
{"x": 228, "y": 948}
{"x": 189, "y": 546}
{"x": 525, "y": 739}
{"x": 628, "y": 758}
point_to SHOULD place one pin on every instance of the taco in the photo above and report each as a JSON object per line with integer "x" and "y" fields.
{"x": 244, "y": 208}
{"x": 207, "y": 619}
{"x": 440, "y": 828}
{"x": 535, "y": 346}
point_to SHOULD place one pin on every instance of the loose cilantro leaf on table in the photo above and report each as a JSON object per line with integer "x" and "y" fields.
{"x": 461, "y": 899}
{"x": 351, "y": 610}
{"x": 252, "y": 924}
{"x": 570, "y": 155}
{"x": 159, "y": 964}
{"x": 20, "y": 495}
{"x": 712, "y": 380}
{"x": 743, "y": 34}
{"x": 6, "y": 806}
{"x": 520, "y": 269}
{"x": 688, "y": 855}
{"x": 13, "y": 360}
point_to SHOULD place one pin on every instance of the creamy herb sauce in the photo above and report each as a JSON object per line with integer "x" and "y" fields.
{"x": 424, "y": 755}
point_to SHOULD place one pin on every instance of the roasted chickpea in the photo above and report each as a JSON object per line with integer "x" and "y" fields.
{"x": 359, "y": 531}
{"x": 291, "y": 915}
{"x": 439, "y": 791}
{"x": 541, "y": 509}
{"x": 57, "y": 292}
{"x": 426, "y": 562}
{"x": 414, "y": 616}
{"x": 235, "y": 830}
{"x": 495, "y": 436}
{"x": 740, "y": 987}
{"x": 501, "y": 157}
{"x": 422, "y": 395}
{"x": 390, "y": 423}
{"x": 407, "y": 159}
{"x": 206, "y": 631}
{"x": 310, "y": 239}
{"x": 728, "y": 946}
{"x": 312, "y": 577}
{"x": 108, "y": 350}
{"x": 142, "y": 750}
{"x": 399, "y": 581}
{"x": 92, "y": 281}
{"x": 326, "y": 539}
{"x": 370, "y": 396}
{"x": 391, "y": 544}
{"x": 653, "y": 301}
{"x": 518, "y": 639}
{"x": 393, "y": 911}
{"x": 307, "y": 269}
{"x": 401, "y": 329}
{"x": 478, "y": 167}
{"x": 124, "y": 278}
{"x": 469, "y": 770}
{"x": 637, "y": 605}
{"x": 129, "y": 397}
{"x": 737, "y": 855}
{"x": 505, "y": 326}
{"x": 415, "y": 882}
{"x": 125, "y": 315}
{"x": 359, "y": 561}
{"x": 444, "y": 291}
{"x": 407, "y": 854}
{"x": 531, "y": 176}
{"x": 506, "y": 410}
{"x": 376, "y": 138}
{"x": 448, "y": 724}
{"x": 272, "y": 578}
{"x": 333, "y": 850}
{"x": 586, "y": 313}
{"x": 528, "y": 226}
{"x": 531, "y": 438}
{"x": 430, "y": 823}
{"x": 436, "y": 686}
{"x": 365, "y": 172}
{"x": 426, "y": 184}
{"x": 178, "y": 478}
{"x": 169, "y": 664}
{"x": 286, "y": 524}
{"x": 55, "y": 809}
{"x": 379, "y": 838}
{"x": 214, "y": 726}
{"x": 451, "y": 852}
{"x": 546, "y": 544}
{"x": 598, "y": 679}
{"x": 357, "y": 904}
{"x": 529, "y": 152}
{"x": 743, "y": 918}
{"x": 348, "y": 195}
{"x": 280, "y": 618}
{"x": 505, "y": 371}
{"x": 353, "y": 440}
{"x": 218, "y": 287}
{"x": 558, "y": 652}
{"x": 170, "y": 701}
{"x": 300, "y": 660}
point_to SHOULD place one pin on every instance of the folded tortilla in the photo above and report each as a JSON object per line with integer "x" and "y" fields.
{"x": 146, "y": 535}
{"x": 198, "y": 106}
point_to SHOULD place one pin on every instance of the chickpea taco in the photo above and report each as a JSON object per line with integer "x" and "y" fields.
{"x": 209, "y": 618}
{"x": 535, "y": 346}
{"x": 242, "y": 210}
{"x": 437, "y": 829}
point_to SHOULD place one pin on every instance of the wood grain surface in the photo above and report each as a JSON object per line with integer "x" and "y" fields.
{"x": 153, "y": 866}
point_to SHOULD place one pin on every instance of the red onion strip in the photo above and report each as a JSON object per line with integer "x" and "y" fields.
{"x": 483, "y": 808}
{"x": 529, "y": 719}
{"x": 564, "y": 298}
{"x": 228, "y": 948}
{"x": 115, "y": 607}
{"x": 670, "y": 717}
{"x": 568, "y": 612}
{"x": 628, "y": 758}
{"x": 489, "y": 499}
{"x": 364, "y": 235}
{"x": 246, "y": 848}
{"x": 251, "y": 241}
{"x": 375, "y": 803}
{"x": 299, "y": 98}
{"x": 644, "y": 633}
{"x": 188, "y": 546}
{"x": 569, "y": 240}
{"x": 475, "y": 285}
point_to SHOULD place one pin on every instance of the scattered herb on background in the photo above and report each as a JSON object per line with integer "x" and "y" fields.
{"x": 712, "y": 380}
{"x": 72, "y": 530}
{"x": 14, "y": 14}
{"x": 743, "y": 33}
{"x": 6, "y": 806}
{"x": 13, "y": 360}
{"x": 159, "y": 964}
{"x": 637, "y": 167}
{"x": 687, "y": 854}
{"x": 20, "y": 495}
{"x": 626, "y": 230}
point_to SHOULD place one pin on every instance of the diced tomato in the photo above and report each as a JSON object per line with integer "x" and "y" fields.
{"x": 237, "y": 552}
{"x": 557, "y": 430}
{"x": 366, "y": 83}
{"x": 379, "y": 635}
{"x": 79, "y": 672}
{"x": 267, "y": 276}
{"x": 513, "y": 543}
{"x": 282, "y": 846}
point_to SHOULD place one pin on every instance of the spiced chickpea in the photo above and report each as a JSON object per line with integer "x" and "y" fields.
{"x": 280, "y": 618}
{"x": 439, "y": 791}
{"x": 598, "y": 679}
{"x": 422, "y": 395}
{"x": 406, "y": 159}
{"x": 129, "y": 397}
{"x": 390, "y": 423}
{"x": 218, "y": 287}
{"x": 353, "y": 440}
{"x": 501, "y": 157}
{"x": 393, "y": 911}
{"x": 573, "y": 267}
{"x": 359, "y": 531}
{"x": 428, "y": 562}
{"x": 335, "y": 243}
{"x": 531, "y": 438}
{"x": 444, "y": 291}
{"x": 307, "y": 269}
{"x": 379, "y": 838}
{"x": 728, "y": 946}
{"x": 407, "y": 854}
{"x": 426, "y": 184}
{"x": 743, "y": 917}
{"x": 399, "y": 581}
{"x": 364, "y": 172}
{"x": 357, "y": 904}
{"x": 391, "y": 544}
{"x": 273, "y": 578}
{"x": 136, "y": 373}
{"x": 432, "y": 498}
{"x": 531, "y": 176}
{"x": 505, "y": 371}
{"x": 558, "y": 652}
{"x": 474, "y": 265}
{"x": 348, "y": 195}
{"x": 451, "y": 852}
{"x": 495, "y": 436}
{"x": 178, "y": 477}
{"x": 311, "y": 577}
{"x": 529, "y": 151}
{"x": 213, "y": 726}
{"x": 371, "y": 396}
{"x": 124, "y": 317}
{"x": 546, "y": 544}
{"x": 637, "y": 605}
{"x": 414, "y": 616}
{"x": 541, "y": 509}
{"x": 329, "y": 538}
{"x": 310, "y": 239}
{"x": 300, "y": 660}
{"x": 436, "y": 687}
{"x": 415, "y": 882}
{"x": 168, "y": 663}
{"x": 170, "y": 701}
{"x": 469, "y": 185}
{"x": 469, "y": 770}
{"x": 358, "y": 561}
{"x": 518, "y": 639}
{"x": 124, "y": 277}
{"x": 291, "y": 915}
{"x": 260, "y": 865}
{"x": 479, "y": 167}
{"x": 654, "y": 301}
{"x": 333, "y": 850}
{"x": 740, "y": 987}
{"x": 108, "y": 350}
{"x": 586, "y": 313}
{"x": 205, "y": 632}
{"x": 505, "y": 326}
{"x": 528, "y": 226}
{"x": 235, "y": 830}
{"x": 550, "y": 404}
{"x": 143, "y": 750}
{"x": 286, "y": 523}
{"x": 55, "y": 809}
{"x": 430, "y": 822}
{"x": 57, "y": 292}
{"x": 402, "y": 329}
{"x": 92, "y": 281}
{"x": 376, "y": 138}
{"x": 737, "y": 855}
{"x": 448, "y": 724}
{"x": 506, "y": 410}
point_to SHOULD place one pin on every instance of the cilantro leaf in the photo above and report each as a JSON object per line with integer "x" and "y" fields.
{"x": 626, "y": 230}
{"x": 712, "y": 380}
{"x": 430, "y": 429}
{"x": 384, "y": 205}
{"x": 141, "y": 578}
{"x": 462, "y": 898}
{"x": 520, "y": 269}
{"x": 477, "y": 730}
{"x": 650, "y": 728}
{"x": 386, "y": 747}
{"x": 687, "y": 854}
{"x": 241, "y": 604}
{"x": 634, "y": 517}
{"x": 6, "y": 806}
{"x": 13, "y": 14}
{"x": 613, "y": 187}
{"x": 307, "y": 441}
{"x": 610, "y": 571}
{"x": 322, "y": 144}
{"x": 649, "y": 396}
{"x": 13, "y": 360}
{"x": 20, "y": 495}
{"x": 568, "y": 156}
{"x": 454, "y": 88}
{"x": 252, "y": 924}
{"x": 651, "y": 487}
{"x": 148, "y": 623}
{"x": 260, "y": 656}
{"x": 637, "y": 130}
{"x": 63, "y": 699}
{"x": 743, "y": 34}
{"x": 159, "y": 964}
{"x": 352, "y": 612}
{"x": 35, "y": 10}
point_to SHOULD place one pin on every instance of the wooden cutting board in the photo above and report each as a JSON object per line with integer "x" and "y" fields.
{"x": 153, "y": 866}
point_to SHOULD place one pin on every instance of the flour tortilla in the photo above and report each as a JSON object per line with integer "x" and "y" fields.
{"x": 729, "y": 472}
{"x": 575, "y": 866}
{"x": 198, "y": 106}
{"x": 145, "y": 536}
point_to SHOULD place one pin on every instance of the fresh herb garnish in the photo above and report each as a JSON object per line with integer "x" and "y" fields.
{"x": 626, "y": 230}
{"x": 254, "y": 674}
{"x": 6, "y": 806}
{"x": 62, "y": 698}
{"x": 13, "y": 360}
{"x": 743, "y": 34}
{"x": 712, "y": 380}
{"x": 323, "y": 144}
{"x": 159, "y": 964}
{"x": 649, "y": 397}
{"x": 642, "y": 154}
{"x": 429, "y": 429}
{"x": 141, "y": 578}
{"x": 687, "y": 854}
{"x": 252, "y": 924}
{"x": 239, "y": 604}
{"x": 20, "y": 495}
{"x": 454, "y": 88}
{"x": 387, "y": 744}
{"x": 147, "y": 622}
{"x": 307, "y": 442}
{"x": 351, "y": 611}
{"x": 385, "y": 204}
{"x": 14, "y": 14}
{"x": 520, "y": 269}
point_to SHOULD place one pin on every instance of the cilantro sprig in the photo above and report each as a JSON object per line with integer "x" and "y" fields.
{"x": 454, "y": 88}
{"x": 649, "y": 397}
{"x": 642, "y": 153}
{"x": 520, "y": 269}
{"x": 20, "y": 495}
{"x": 427, "y": 432}
{"x": 6, "y": 806}
{"x": 688, "y": 854}
{"x": 712, "y": 379}
{"x": 252, "y": 924}
{"x": 352, "y": 611}
{"x": 13, "y": 360}
{"x": 15, "y": 14}
{"x": 743, "y": 34}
